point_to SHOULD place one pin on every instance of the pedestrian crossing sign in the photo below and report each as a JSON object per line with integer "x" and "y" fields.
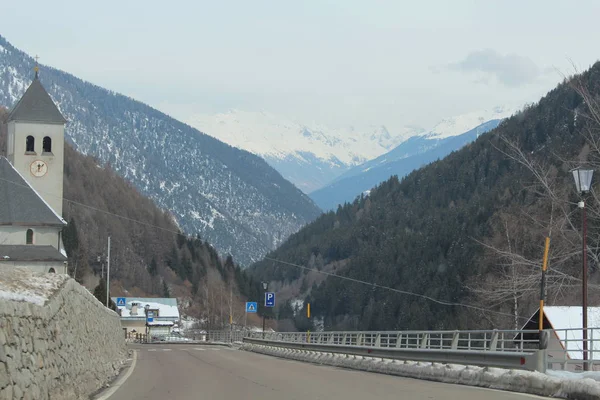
{"x": 120, "y": 301}
{"x": 251, "y": 306}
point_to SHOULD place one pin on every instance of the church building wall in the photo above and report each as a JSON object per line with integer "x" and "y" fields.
{"x": 42, "y": 235}
{"x": 49, "y": 186}
{"x": 58, "y": 267}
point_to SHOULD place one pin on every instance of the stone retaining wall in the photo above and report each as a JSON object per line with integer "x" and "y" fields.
{"x": 66, "y": 349}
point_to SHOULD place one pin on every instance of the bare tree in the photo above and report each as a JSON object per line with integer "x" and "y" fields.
{"x": 514, "y": 250}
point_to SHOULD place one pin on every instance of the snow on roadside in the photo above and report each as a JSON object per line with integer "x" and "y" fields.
{"x": 595, "y": 375}
{"x": 26, "y": 286}
{"x": 530, "y": 382}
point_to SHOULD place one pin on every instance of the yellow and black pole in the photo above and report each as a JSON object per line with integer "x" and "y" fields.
{"x": 308, "y": 316}
{"x": 543, "y": 294}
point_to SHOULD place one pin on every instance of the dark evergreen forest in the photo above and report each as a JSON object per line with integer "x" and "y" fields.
{"x": 423, "y": 234}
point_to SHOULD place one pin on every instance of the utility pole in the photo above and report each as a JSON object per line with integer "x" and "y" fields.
{"x": 108, "y": 276}
{"x": 208, "y": 324}
{"x": 265, "y": 287}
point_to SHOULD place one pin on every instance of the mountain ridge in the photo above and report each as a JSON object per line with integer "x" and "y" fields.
{"x": 228, "y": 196}
{"x": 314, "y": 155}
{"x": 308, "y": 155}
{"x": 410, "y": 155}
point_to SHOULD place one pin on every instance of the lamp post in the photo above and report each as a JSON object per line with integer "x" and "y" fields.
{"x": 265, "y": 286}
{"x": 583, "y": 181}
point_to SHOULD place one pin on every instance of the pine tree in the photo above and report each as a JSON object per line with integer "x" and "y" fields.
{"x": 70, "y": 238}
{"x": 166, "y": 291}
{"x": 153, "y": 268}
{"x": 100, "y": 294}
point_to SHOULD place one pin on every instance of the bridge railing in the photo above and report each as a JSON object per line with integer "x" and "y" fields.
{"x": 481, "y": 340}
{"x": 562, "y": 348}
{"x": 565, "y": 351}
{"x": 224, "y": 336}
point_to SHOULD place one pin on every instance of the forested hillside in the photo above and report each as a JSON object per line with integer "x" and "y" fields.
{"x": 149, "y": 255}
{"x": 456, "y": 230}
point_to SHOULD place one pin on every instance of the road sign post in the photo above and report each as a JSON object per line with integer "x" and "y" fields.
{"x": 251, "y": 307}
{"x": 269, "y": 299}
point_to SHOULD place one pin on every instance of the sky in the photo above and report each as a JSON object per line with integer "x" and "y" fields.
{"x": 339, "y": 63}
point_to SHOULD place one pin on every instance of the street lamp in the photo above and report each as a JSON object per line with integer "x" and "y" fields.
{"x": 583, "y": 181}
{"x": 265, "y": 286}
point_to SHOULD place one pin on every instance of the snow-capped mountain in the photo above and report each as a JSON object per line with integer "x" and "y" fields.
{"x": 465, "y": 122}
{"x": 310, "y": 156}
{"x": 411, "y": 154}
{"x": 230, "y": 197}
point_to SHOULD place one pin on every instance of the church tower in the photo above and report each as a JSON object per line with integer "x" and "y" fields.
{"x": 36, "y": 143}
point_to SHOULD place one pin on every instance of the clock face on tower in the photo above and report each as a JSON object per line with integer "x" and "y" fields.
{"x": 38, "y": 168}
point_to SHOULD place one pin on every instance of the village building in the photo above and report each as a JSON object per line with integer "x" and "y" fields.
{"x": 31, "y": 185}
{"x": 565, "y": 342}
{"x": 134, "y": 313}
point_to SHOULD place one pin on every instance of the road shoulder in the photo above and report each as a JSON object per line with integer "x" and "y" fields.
{"x": 119, "y": 380}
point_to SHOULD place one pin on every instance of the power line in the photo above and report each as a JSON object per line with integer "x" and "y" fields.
{"x": 94, "y": 208}
{"x": 375, "y": 285}
{"x": 113, "y": 214}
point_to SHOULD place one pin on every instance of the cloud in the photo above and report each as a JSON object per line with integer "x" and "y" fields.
{"x": 510, "y": 70}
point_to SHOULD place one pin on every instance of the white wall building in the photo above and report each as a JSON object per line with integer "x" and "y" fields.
{"x": 133, "y": 314}
{"x": 31, "y": 185}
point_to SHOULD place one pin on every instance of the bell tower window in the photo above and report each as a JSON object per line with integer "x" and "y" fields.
{"x": 30, "y": 144}
{"x": 29, "y": 236}
{"x": 47, "y": 145}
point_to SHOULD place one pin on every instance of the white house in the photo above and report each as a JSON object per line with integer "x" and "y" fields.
{"x": 31, "y": 185}
{"x": 565, "y": 344}
{"x": 133, "y": 314}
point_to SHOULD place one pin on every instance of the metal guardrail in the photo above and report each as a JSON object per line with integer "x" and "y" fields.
{"x": 484, "y": 340}
{"x": 226, "y": 336}
{"x": 499, "y": 348}
{"x": 513, "y": 360}
{"x": 188, "y": 337}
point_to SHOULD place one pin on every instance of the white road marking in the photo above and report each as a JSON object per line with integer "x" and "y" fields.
{"x": 121, "y": 380}
{"x": 167, "y": 349}
{"x": 199, "y": 348}
{"x": 151, "y": 349}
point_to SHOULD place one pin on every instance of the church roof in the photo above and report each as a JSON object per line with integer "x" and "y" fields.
{"x": 20, "y": 204}
{"x": 28, "y": 252}
{"x": 36, "y": 105}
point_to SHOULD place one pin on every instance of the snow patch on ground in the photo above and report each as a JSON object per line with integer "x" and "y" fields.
{"x": 297, "y": 304}
{"x": 187, "y": 322}
{"x": 26, "y": 286}
{"x": 552, "y": 384}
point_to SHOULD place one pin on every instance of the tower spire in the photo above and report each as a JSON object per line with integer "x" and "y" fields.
{"x": 37, "y": 66}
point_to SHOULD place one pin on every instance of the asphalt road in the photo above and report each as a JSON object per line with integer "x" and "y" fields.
{"x": 181, "y": 372}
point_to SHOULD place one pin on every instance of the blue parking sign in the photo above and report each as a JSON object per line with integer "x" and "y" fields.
{"x": 269, "y": 299}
